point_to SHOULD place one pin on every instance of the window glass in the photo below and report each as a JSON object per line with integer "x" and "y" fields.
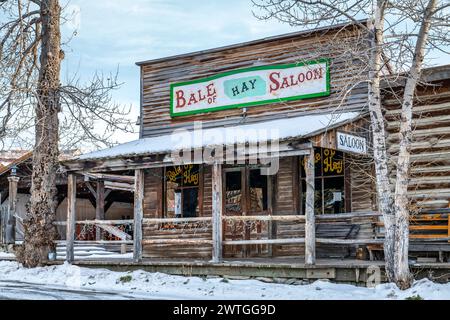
{"x": 182, "y": 184}
{"x": 258, "y": 191}
{"x": 233, "y": 187}
{"x": 333, "y": 195}
{"x": 329, "y": 181}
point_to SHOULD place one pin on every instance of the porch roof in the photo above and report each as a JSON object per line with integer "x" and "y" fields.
{"x": 282, "y": 129}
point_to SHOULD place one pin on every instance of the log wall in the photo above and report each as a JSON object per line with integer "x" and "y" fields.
{"x": 153, "y": 208}
{"x": 429, "y": 186}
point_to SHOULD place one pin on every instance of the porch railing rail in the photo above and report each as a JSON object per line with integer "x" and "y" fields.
{"x": 301, "y": 218}
{"x": 108, "y": 226}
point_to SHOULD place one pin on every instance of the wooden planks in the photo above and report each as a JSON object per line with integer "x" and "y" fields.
{"x": 310, "y": 224}
{"x": 217, "y": 208}
{"x": 138, "y": 214}
{"x": 71, "y": 216}
{"x": 430, "y": 150}
{"x": 157, "y": 75}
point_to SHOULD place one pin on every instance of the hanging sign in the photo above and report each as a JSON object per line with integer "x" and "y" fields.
{"x": 250, "y": 87}
{"x": 351, "y": 143}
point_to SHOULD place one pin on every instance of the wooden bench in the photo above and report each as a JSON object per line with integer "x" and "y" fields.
{"x": 336, "y": 230}
{"x": 429, "y": 232}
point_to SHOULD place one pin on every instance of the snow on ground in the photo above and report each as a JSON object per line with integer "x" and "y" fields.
{"x": 162, "y": 286}
{"x": 6, "y": 255}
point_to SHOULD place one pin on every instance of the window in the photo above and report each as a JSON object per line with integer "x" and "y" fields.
{"x": 329, "y": 192}
{"x": 233, "y": 192}
{"x": 182, "y": 191}
{"x": 249, "y": 195}
{"x": 258, "y": 190}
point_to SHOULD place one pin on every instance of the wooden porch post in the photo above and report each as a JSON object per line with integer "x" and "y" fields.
{"x": 10, "y": 232}
{"x": 217, "y": 212}
{"x": 99, "y": 206}
{"x": 310, "y": 225}
{"x": 71, "y": 216}
{"x": 138, "y": 214}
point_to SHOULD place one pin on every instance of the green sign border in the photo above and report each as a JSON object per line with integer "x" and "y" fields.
{"x": 254, "y": 103}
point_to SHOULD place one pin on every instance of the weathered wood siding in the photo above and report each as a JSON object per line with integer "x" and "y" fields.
{"x": 429, "y": 186}
{"x": 153, "y": 208}
{"x": 345, "y": 74}
{"x": 361, "y": 182}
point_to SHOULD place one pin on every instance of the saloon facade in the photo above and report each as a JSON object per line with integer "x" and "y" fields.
{"x": 262, "y": 150}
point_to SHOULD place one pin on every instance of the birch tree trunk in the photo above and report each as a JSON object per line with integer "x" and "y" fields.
{"x": 385, "y": 199}
{"x": 403, "y": 277}
{"x": 40, "y": 232}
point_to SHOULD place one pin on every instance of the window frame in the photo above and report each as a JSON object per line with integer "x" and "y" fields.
{"x": 199, "y": 196}
{"x": 345, "y": 175}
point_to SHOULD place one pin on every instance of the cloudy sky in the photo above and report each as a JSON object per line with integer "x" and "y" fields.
{"x": 113, "y": 34}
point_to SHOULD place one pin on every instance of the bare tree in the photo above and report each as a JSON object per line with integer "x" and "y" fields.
{"x": 400, "y": 32}
{"x": 32, "y": 98}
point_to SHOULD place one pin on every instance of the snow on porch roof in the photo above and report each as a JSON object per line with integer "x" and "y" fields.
{"x": 282, "y": 129}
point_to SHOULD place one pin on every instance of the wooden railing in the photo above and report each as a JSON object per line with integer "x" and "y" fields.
{"x": 301, "y": 218}
{"x": 167, "y": 223}
{"x": 108, "y": 226}
{"x": 427, "y": 226}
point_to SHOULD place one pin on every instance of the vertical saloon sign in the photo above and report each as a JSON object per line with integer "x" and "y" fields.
{"x": 250, "y": 87}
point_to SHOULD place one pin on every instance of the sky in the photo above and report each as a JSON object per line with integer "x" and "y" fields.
{"x": 115, "y": 34}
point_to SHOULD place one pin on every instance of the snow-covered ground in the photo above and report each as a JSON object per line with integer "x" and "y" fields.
{"x": 140, "y": 284}
{"x": 6, "y": 255}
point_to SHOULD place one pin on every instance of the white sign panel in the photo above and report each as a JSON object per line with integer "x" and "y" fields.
{"x": 251, "y": 86}
{"x": 351, "y": 143}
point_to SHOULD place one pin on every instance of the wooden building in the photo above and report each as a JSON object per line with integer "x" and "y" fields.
{"x": 299, "y": 181}
{"x": 15, "y": 184}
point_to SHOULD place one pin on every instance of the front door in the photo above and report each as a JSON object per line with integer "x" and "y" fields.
{"x": 246, "y": 193}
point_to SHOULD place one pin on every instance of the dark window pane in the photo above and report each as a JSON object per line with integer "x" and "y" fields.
{"x": 332, "y": 162}
{"x": 317, "y": 164}
{"x": 258, "y": 191}
{"x": 334, "y": 195}
{"x": 190, "y": 202}
{"x": 182, "y": 191}
{"x": 191, "y": 175}
{"x": 233, "y": 187}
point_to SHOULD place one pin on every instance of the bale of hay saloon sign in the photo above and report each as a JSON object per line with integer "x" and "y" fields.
{"x": 250, "y": 87}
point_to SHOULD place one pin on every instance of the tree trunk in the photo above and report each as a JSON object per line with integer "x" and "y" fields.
{"x": 403, "y": 277}
{"x": 40, "y": 232}
{"x": 385, "y": 199}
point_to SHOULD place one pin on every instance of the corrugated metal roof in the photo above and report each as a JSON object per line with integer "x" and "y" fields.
{"x": 282, "y": 129}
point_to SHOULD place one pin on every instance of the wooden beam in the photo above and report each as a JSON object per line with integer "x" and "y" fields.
{"x": 265, "y": 218}
{"x": 71, "y": 216}
{"x": 91, "y": 189}
{"x": 175, "y": 220}
{"x": 99, "y": 206}
{"x": 10, "y": 231}
{"x": 119, "y": 186}
{"x": 179, "y": 242}
{"x": 310, "y": 228}
{"x": 138, "y": 214}
{"x": 96, "y": 222}
{"x": 217, "y": 212}
{"x": 267, "y": 241}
